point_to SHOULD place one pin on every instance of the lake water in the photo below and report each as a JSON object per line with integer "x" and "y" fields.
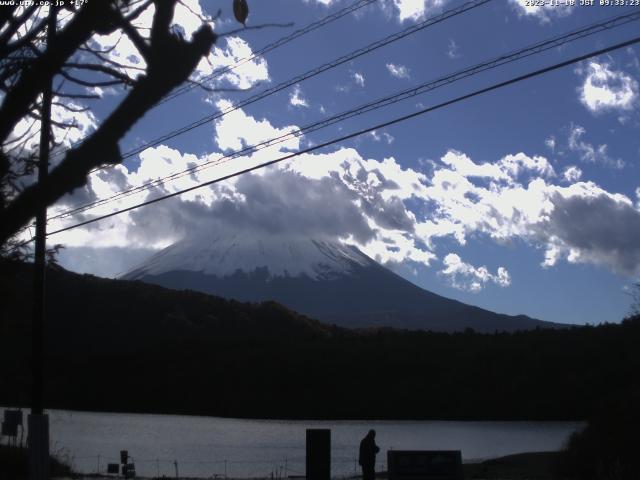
{"x": 210, "y": 446}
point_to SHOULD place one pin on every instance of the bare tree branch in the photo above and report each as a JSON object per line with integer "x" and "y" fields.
{"x": 14, "y": 24}
{"x": 99, "y": 55}
{"x": 124, "y": 78}
{"x": 138, "y": 11}
{"x": 257, "y": 27}
{"x": 90, "y": 84}
{"x": 77, "y": 96}
{"x": 6, "y": 14}
{"x": 68, "y": 107}
{"x": 135, "y": 37}
{"x": 209, "y": 89}
{"x": 8, "y": 48}
{"x": 92, "y": 17}
{"x": 171, "y": 61}
{"x": 30, "y": 63}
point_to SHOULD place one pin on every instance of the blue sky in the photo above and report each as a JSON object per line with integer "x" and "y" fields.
{"x": 523, "y": 200}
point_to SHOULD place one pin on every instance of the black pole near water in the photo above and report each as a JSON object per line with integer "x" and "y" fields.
{"x": 38, "y": 421}
{"x": 318, "y": 454}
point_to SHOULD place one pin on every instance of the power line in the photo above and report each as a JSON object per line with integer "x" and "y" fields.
{"x": 263, "y": 51}
{"x": 360, "y": 132}
{"x": 501, "y": 60}
{"x": 272, "y": 46}
{"x": 311, "y": 73}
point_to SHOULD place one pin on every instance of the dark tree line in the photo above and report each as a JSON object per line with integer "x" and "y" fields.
{"x": 130, "y": 346}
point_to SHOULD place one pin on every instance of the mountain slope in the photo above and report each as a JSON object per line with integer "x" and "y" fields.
{"x": 326, "y": 280}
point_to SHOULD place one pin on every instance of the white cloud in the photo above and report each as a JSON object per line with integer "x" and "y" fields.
{"x": 453, "y": 50}
{"x": 296, "y": 98}
{"x": 394, "y": 213}
{"x": 572, "y": 174}
{"x": 398, "y": 71}
{"x": 508, "y": 169}
{"x": 378, "y": 137}
{"x": 590, "y": 153}
{"x": 590, "y": 225}
{"x": 359, "y": 79}
{"x": 402, "y": 9}
{"x": 605, "y": 89}
{"x": 236, "y": 130}
{"x": 235, "y": 51}
{"x": 551, "y": 143}
{"x": 538, "y": 212}
{"x": 465, "y": 276}
{"x": 109, "y": 262}
{"x": 516, "y": 165}
{"x": 188, "y": 17}
{"x": 413, "y": 9}
{"x": 544, "y": 12}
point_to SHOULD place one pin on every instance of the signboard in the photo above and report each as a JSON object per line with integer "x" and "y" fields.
{"x": 425, "y": 464}
{"x": 318, "y": 454}
{"x": 13, "y": 416}
{"x": 10, "y": 430}
{"x": 113, "y": 468}
{"x": 12, "y": 419}
{"x": 129, "y": 470}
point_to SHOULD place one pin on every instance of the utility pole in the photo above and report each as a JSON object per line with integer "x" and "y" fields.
{"x": 38, "y": 421}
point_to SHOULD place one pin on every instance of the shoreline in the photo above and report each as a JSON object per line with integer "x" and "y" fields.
{"x": 519, "y": 466}
{"x": 298, "y": 419}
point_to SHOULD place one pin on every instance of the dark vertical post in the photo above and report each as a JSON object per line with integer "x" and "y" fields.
{"x": 318, "y": 454}
{"x": 40, "y": 248}
{"x": 38, "y": 422}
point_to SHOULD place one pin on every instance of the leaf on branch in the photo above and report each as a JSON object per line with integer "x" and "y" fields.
{"x": 241, "y": 10}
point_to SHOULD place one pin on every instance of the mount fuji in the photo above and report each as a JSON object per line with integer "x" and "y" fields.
{"x": 324, "y": 279}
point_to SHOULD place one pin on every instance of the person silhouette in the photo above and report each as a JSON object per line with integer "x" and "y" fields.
{"x": 367, "y": 456}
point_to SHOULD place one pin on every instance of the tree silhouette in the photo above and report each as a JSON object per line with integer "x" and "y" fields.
{"x": 77, "y": 66}
{"x": 634, "y": 293}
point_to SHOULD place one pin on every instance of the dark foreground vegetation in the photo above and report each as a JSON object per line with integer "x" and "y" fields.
{"x": 607, "y": 449}
{"x": 14, "y": 463}
{"x": 128, "y": 346}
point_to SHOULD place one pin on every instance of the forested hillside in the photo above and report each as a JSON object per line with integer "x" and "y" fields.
{"x": 127, "y": 346}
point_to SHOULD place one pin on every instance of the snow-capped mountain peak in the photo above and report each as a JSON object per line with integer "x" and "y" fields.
{"x": 322, "y": 278}
{"x": 225, "y": 255}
